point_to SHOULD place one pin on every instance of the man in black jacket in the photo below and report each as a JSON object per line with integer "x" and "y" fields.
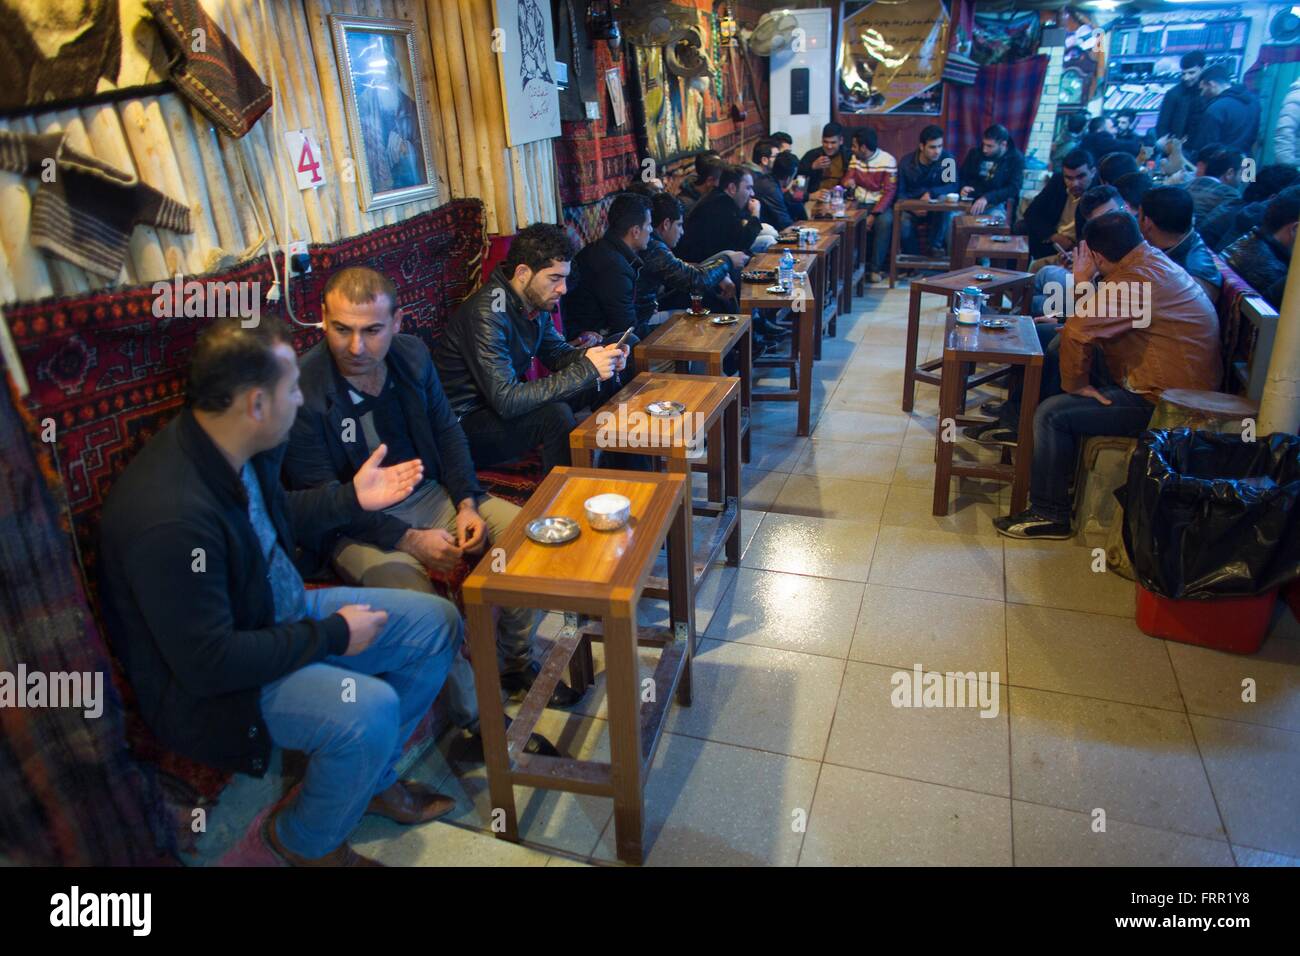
{"x": 991, "y": 175}
{"x": 1050, "y": 216}
{"x": 667, "y": 278}
{"x": 766, "y": 190}
{"x": 1230, "y": 118}
{"x": 728, "y": 218}
{"x": 1234, "y": 219}
{"x": 485, "y": 352}
{"x": 929, "y": 172}
{"x": 826, "y": 165}
{"x": 364, "y": 385}
{"x": 226, "y": 650}
{"x": 703, "y": 180}
{"x": 1180, "y": 109}
{"x": 784, "y": 170}
{"x": 1165, "y": 218}
{"x": 601, "y": 295}
{"x": 1263, "y": 255}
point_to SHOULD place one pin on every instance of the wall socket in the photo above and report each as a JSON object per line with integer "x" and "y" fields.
{"x": 299, "y": 259}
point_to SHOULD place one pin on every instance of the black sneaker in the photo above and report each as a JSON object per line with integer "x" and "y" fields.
{"x": 992, "y": 406}
{"x": 1031, "y": 525}
{"x": 994, "y": 433}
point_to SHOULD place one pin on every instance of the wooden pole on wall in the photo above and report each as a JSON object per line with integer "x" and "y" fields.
{"x": 31, "y": 277}
{"x": 180, "y": 130}
{"x": 148, "y": 142}
{"x": 312, "y": 113}
{"x": 484, "y": 59}
{"x": 345, "y": 167}
{"x": 446, "y": 100}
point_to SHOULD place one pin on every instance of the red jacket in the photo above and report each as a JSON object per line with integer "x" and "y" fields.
{"x": 878, "y": 175}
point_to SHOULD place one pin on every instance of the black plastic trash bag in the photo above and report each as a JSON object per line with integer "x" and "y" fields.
{"x": 1208, "y": 515}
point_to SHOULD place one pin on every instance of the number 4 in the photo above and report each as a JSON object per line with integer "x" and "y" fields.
{"x": 307, "y": 162}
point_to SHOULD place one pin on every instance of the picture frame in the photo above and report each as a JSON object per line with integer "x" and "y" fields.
{"x": 525, "y": 48}
{"x": 392, "y": 148}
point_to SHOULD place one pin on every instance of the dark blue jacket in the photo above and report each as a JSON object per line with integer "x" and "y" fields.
{"x": 914, "y": 179}
{"x": 318, "y": 456}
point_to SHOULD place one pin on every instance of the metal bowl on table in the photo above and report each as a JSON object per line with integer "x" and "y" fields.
{"x": 608, "y": 512}
{"x": 665, "y": 409}
{"x": 553, "y": 529}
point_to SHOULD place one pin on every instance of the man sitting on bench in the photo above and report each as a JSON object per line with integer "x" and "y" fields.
{"x": 1153, "y": 328}
{"x": 227, "y": 651}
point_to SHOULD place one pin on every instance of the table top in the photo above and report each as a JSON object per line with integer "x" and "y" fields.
{"x": 623, "y": 424}
{"x": 915, "y": 205}
{"x": 596, "y": 567}
{"x": 754, "y": 295}
{"x": 1017, "y": 345}
{"x": 982, "y": 222}
{"x": 827, "y": 239}
{"x": 824, "y": 225}
{"x": 821, "y": 212}
{"x": 958, "y": 280}
{"x": 988, "y": 244}
{"x": 683, "y": 336}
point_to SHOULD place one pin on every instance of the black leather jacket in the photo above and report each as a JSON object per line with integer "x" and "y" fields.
{"x": 660, "y": 270}
{"x": 602, "y": 288}
{"x": 483, "y": 355}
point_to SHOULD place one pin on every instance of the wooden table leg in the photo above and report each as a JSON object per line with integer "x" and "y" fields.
{"x": 580, "y": 457}
{"x": 808, "y": 323}
{"x": 817, "y": 282}
{"x": 481, "y": 633}
{"x": 714, "y": 461}
{"x": 623, "y": 703}
{"x": 913, "y": 332}
{"x": 747, "y": 385}
{"x": 681, "y": 592}
{"x": 1024, "y": 455}
{"x": 893, "y": 245}
{"x": 731, "y": 476}
{"x": 949, "y": 386}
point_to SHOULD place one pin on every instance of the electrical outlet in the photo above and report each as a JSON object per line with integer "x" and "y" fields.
{"x": 299, "y": 259}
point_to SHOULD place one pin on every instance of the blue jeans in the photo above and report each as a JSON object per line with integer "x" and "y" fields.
{"x": 352, "y": 715}
{"x": 881, "y": 234}
{"x": 936, "y": 227}
{"x": 1044, "y": 276}
{"x": 1060, "y": 424}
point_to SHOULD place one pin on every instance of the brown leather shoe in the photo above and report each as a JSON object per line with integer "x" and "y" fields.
{"x": 409, "y": 801}
{"x": 342, "y": 855}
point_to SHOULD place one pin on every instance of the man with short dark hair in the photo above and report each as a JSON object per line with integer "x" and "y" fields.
{"x": 1126, "y": 133}
{"x": 701, "y": 182}
{"x": 784, "y": 170}
{"x": 929, "y": 172}
{"x": 1100, "y": 139}
{"x": 1112, "y": 166}
{"x": 1165, "y": 218}
{"x": 601, "y": 295}
{"x": 664, "y": 276}
{"x": 1049, "y": 221}
{"x": 992, "y": 173}
{"x": 484, "y": 354}
{"x": 873, "y": 179}
{"x": 227, "y": 652}
{"x": 785, "y": 141}
{"x": 1230, "y": 118}
{"x": 1180, "y": 108}
{"x": 1219, "y": 183}
{"x": 727, "y": 219}
{"x": 1225, "y": 225}
{"x": 1154, "y": 330}
{"x": 365, "y": 384}
{"x": 1132, "y": 187}
{"x": 766, "y": 191}
{"x": 825, "y": 165}
{"x": 1263, "y": 255}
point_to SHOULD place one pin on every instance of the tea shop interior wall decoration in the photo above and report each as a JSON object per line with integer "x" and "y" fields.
{"x": 524, "y": 40}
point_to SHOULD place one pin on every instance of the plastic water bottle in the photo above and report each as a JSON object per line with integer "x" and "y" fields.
{"x": 786, "y": 271}
{"x": 837, "y": 202}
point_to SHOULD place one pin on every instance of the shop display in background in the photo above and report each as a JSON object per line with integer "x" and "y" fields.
{"x": 380, "y": 74}
{"x": 891, "y": 57}
{"x": 1005, "y": 38}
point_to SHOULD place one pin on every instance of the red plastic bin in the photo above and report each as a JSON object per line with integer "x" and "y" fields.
{"x": 1235, "y": 624}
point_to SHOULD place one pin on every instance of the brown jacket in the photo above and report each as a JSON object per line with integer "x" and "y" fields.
{"x": 1179, "y": 348}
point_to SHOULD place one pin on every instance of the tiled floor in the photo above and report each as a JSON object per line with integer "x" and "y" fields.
{"x": 1104, "y": 746}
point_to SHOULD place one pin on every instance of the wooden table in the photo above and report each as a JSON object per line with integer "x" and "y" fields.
{"x": 684, "y": 338}
{"x": 965, "y": 346}
{"x": 950, "y": 282}
{"x": 963, "y": 227}
{"x": 712, "y": 416}
{"x": 918, "y": 206}
{"x": 1012, "y": 252}
{"x": 829, "y": 274}
{"x": 802, "y": 303}
{"x": 601, "y": 574}
{"x": 857, "y": 246}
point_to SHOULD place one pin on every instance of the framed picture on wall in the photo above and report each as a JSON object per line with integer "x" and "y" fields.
{"x": 380, "y": 74}
{"x": 526, "y": 59}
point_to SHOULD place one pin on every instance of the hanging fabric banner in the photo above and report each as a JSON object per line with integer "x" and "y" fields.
{"x": 891, "y": 57}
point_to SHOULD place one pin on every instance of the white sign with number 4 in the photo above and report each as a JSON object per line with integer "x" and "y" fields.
{"x": 304, "y": 153}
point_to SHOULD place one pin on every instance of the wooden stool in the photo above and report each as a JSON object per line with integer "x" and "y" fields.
{"x": 963, "y": 227}
{"x": 968, "y": 345}
{"x": 686, "y": 338}
{"x": 601, "y": 574}
{"x": 946, "y": 284}
{"x": 918, "y": 206}
{"x": 1203, "y": 411}
{"x": 1011, "y": 251}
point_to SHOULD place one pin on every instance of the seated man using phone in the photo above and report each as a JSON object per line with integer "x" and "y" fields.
{"x": 365, "y": 384}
